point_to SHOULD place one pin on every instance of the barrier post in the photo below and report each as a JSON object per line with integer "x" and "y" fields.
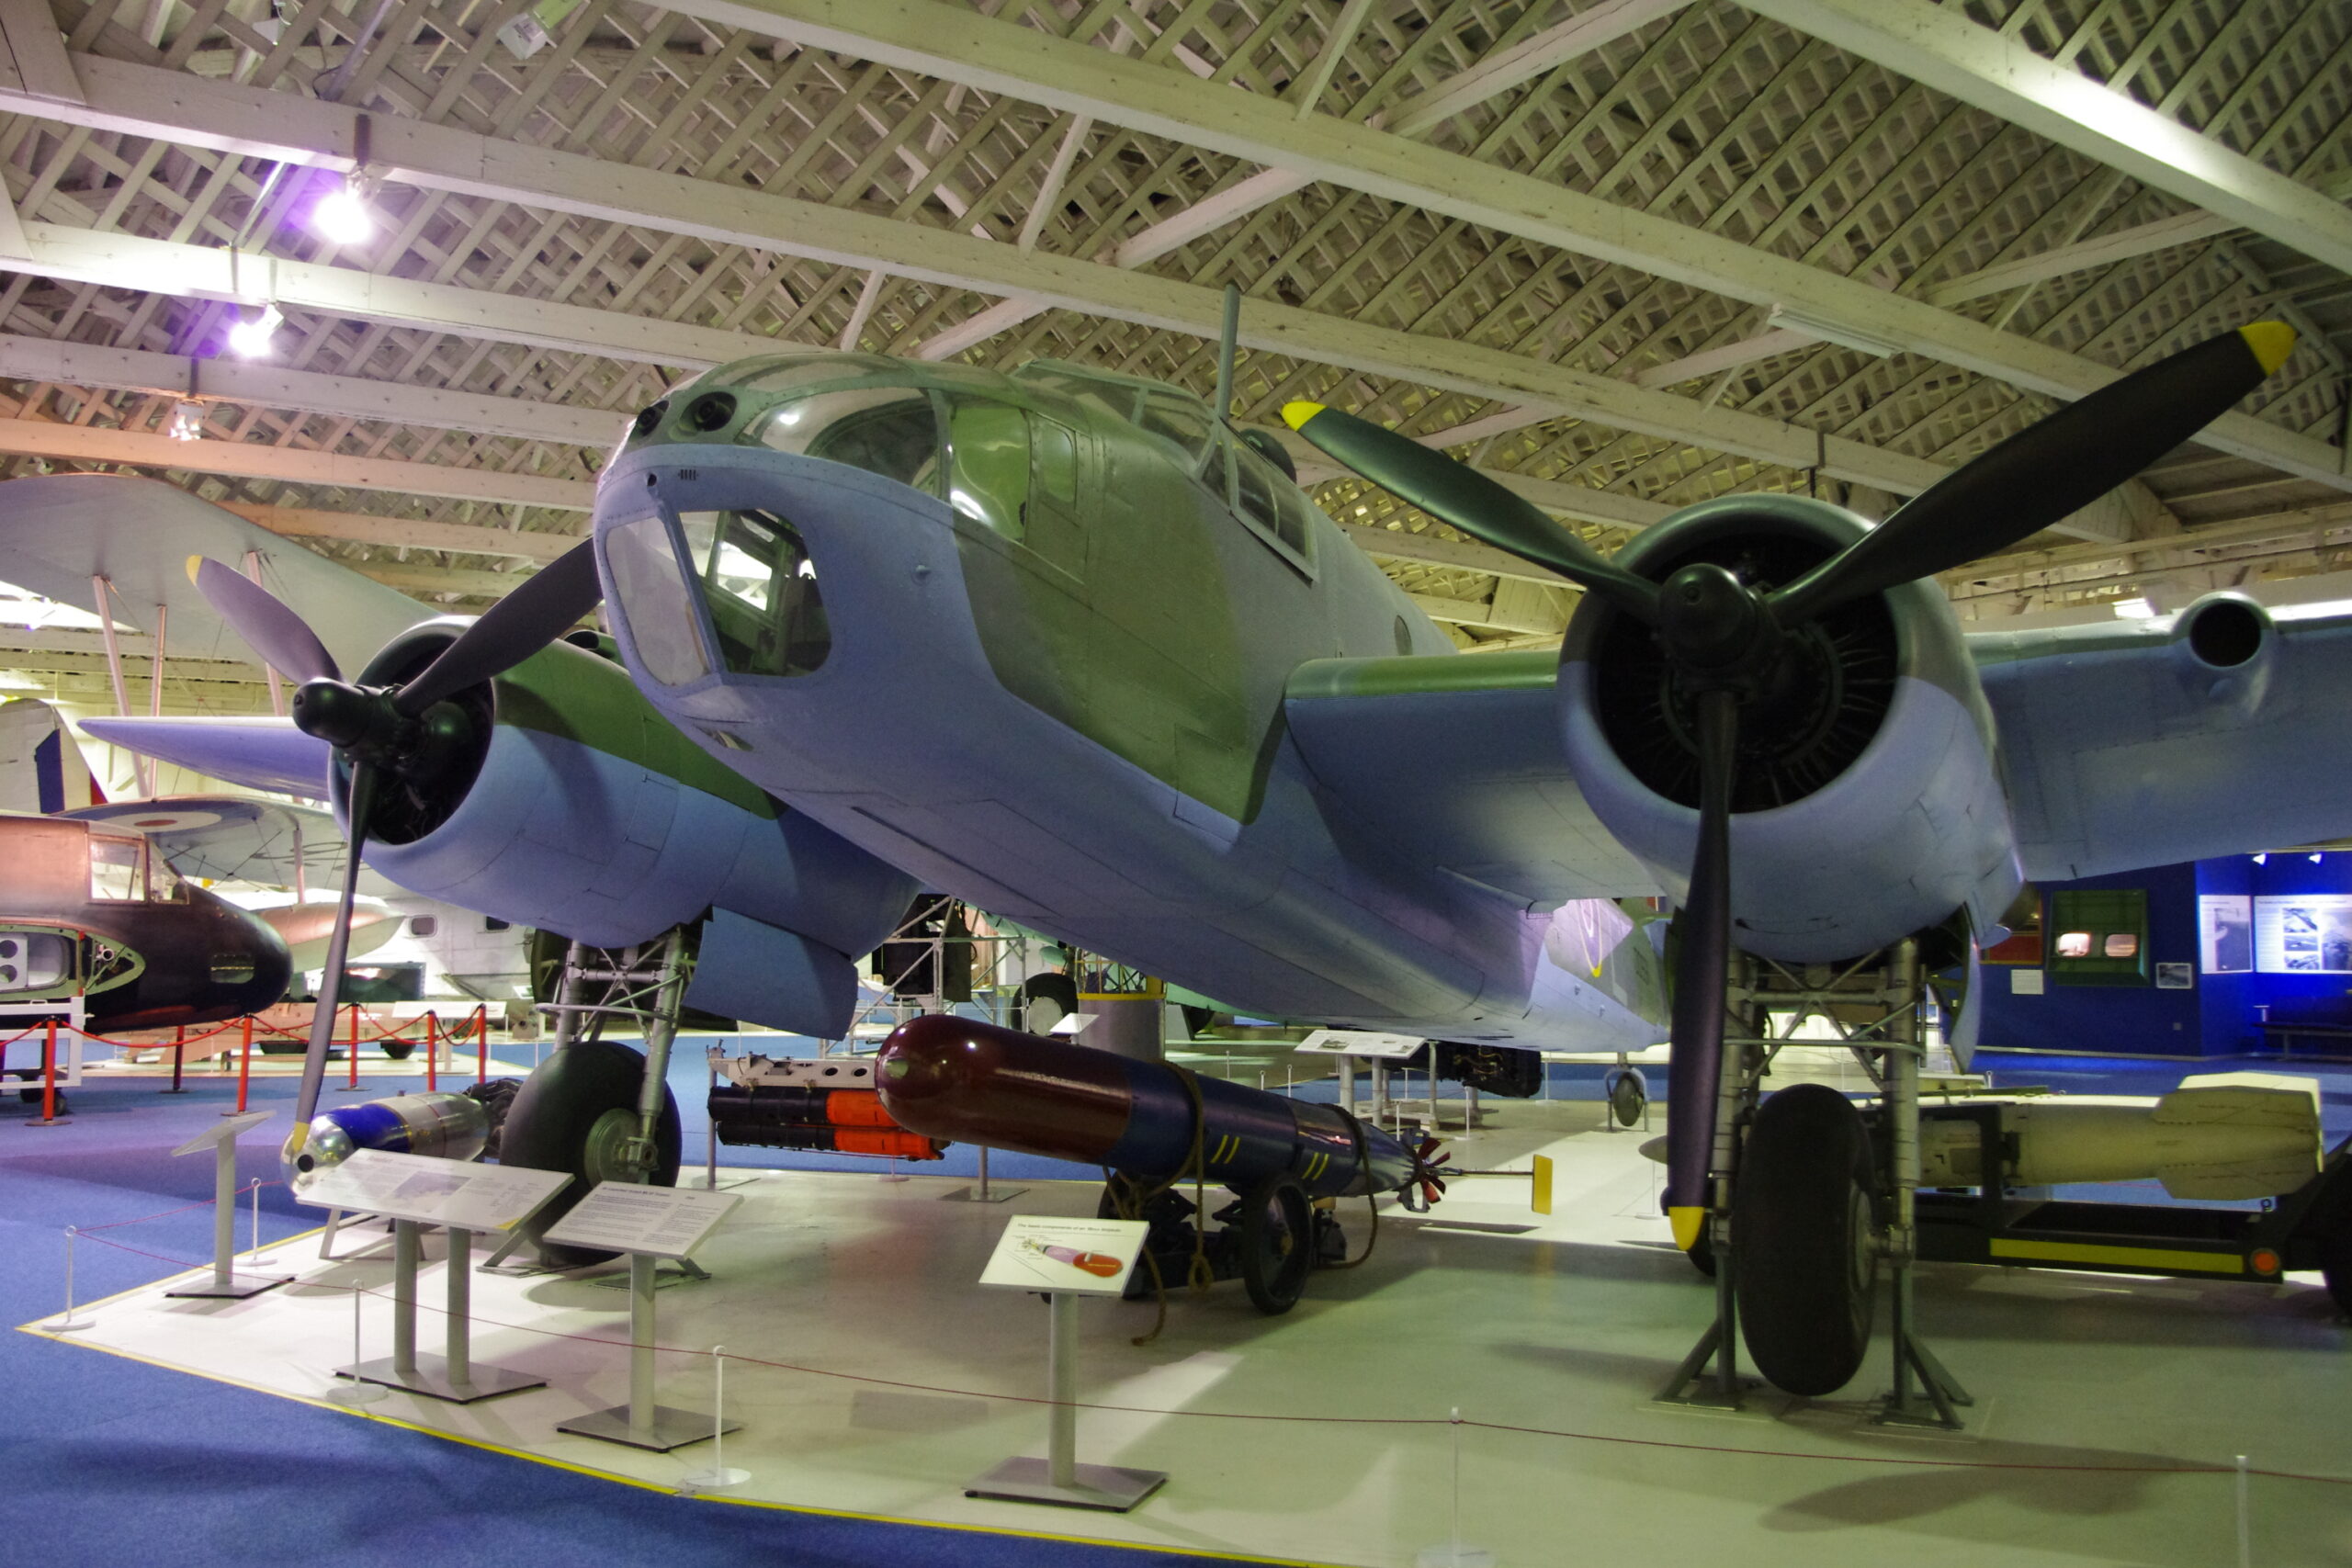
{"x": 179, "y": 1057}
{"x": 49, "y": 1116}
{"x": 482, "y": 1044}
{"x": 353, "y": 1049}
{"x": 244, "y": 1064}
{"x": 432, "y": 1051}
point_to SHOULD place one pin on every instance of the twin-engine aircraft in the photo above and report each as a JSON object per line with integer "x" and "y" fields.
{"x": 1065, "y": 646}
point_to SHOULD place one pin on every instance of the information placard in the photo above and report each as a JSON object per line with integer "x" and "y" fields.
{"x": 2303, "y": 933}
{"x": 662, "y": 1221}
{"x": 433, "y": 1191}
{"x": 1361, "y": 1042}
{"x": 1079, "y": 1257}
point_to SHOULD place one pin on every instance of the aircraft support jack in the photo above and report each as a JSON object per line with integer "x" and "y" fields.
{"x": 1932, "y": 1403}
{"x": 1743, "y": 1064}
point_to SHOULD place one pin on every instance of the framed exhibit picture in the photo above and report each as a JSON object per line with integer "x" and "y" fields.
{"x": 2225, "y": 933}
{"x": 2303, "y": 933}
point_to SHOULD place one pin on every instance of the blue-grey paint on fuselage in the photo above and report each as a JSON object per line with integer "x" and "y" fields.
{"x": 905, "y": 743}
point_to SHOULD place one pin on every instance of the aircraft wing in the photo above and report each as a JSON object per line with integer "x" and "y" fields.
{"x": 1456, "y": 760}
{"x": 2122, "y": 748}
{"x": 230, "y": 838}
{"x": 259, "y": 752}
{"x": 58, "y": 531}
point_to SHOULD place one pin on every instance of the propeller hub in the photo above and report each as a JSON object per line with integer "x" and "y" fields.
{"x": 1715, "y": 627}
{"x": 342, "y": 715}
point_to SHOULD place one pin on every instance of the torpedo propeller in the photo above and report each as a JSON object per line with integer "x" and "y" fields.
{"x": 404, "y": 731}
{"x": 1724, "y": 638}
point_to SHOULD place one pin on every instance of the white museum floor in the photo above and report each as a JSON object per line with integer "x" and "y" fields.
{"x": 2088, "y": 1387}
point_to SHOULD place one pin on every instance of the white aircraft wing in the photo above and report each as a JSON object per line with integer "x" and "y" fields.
{"x": 58, "y": 531}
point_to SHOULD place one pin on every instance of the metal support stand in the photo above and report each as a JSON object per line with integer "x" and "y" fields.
{"x": 1903, "y": 1406}
{"x": 641, "y": 1422}
{"x": 226, "y": 1282}
{"x": 982, "y": 1192}
{"x": 452, "y": 1377}
{"x": 1736, "y": 1094}
{"x": 1058, "y": 1477}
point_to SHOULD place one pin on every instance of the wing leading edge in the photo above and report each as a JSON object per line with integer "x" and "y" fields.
{"x": 1455, "y": 761}
{"x": 2224, "y": 730}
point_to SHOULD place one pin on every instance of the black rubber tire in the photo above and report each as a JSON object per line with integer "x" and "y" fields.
{"x": 1276, "y": 1247}
{"x": 1808, "y": 1263}
{"x": 1627, "y": 1100}
{"x": 2334, "y": 1264}
{"x": 398, "y": 1050}
{"x": 1057, "y": 990}
{"x": 547, "y": 1128}
{"x": 1702, "y": 1252}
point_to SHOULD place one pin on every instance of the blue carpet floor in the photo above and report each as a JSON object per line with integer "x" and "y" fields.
{"x": 111, "y": 1462}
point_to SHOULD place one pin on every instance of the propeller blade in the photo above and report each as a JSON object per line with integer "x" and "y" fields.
{"x": 314, "y": 1061}
{"x": 1460, "y": 495}
{"x": 269, "y": 628}
{"x": 538, "y": 612}
{"x": 2056, "y": 466}
{"x": 1702, "y": 976}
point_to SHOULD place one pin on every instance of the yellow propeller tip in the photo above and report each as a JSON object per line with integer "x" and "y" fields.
{"x": 195, "y": 564}
{"x": 2271, "y": 342}
{"x": 1298, "y": 414}
{"x": 1690, "y": 1224}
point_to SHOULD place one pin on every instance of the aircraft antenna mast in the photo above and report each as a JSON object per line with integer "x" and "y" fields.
{"x": 1226, "y": 337}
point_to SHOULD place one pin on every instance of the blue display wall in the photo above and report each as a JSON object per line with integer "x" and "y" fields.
{"x": 2220, "y": 1015}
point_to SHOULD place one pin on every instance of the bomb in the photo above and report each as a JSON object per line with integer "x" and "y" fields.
{"x": 450, "y": 1126}
{"x": 969, "y": 1082}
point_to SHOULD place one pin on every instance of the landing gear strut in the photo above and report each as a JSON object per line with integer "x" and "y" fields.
{"x": 1810, "y": 1201}
{"x": 594, "y": 1108}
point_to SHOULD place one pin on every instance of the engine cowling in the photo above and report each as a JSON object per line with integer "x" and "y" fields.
{"x": 574, "y": 807}
{"x": 1866, "y": 804}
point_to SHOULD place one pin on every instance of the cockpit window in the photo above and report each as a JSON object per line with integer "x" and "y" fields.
{"x": 654, "y": 600}
{"x": 1114, "y": 397}
{"x": 761, "y": 590}
{"x": 890, "y": 431}
{"x": 989, "y": 456}
{"x": 791, "y": 373}
{"x": 1180, "y": 420}
{"x": 115, "y": 867}
{"x": 163, "y": 885}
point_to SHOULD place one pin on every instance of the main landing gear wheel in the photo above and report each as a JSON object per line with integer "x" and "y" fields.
{"x": 575, "y": 1113}
{"x": 1808, "y": 1254}
{"x": 1046, "y": 1000}
{"x": 1629, "y": 1095}
{"x": 2334, "y": 1260}
{"x": 1277, "y": 1245}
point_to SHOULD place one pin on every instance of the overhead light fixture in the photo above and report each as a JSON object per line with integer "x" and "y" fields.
{"x": 2262, "y": 859}
{"x": 2316, "y": 859}
{"x": 341, "y": 217}
{"x": 250, "y": 337}
{"x": 186, "y": 422}
{"x": 1839, "y": 333}
{"x": 2134, "y": 610}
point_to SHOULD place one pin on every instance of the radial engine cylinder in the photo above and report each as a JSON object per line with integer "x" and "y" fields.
{"x": 976, "y": 1083}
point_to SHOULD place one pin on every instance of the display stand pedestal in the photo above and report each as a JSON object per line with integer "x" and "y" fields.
{"x": 453, "y": 1377}
{"x": 641, "y": 1422}
{"x": 982, "y": 1192}
{"x": 1059, "y": 1478}
{"x": 226, "y": 1283}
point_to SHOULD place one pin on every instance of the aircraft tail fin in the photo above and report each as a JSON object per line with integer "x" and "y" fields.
{"x": 41, "y": 770}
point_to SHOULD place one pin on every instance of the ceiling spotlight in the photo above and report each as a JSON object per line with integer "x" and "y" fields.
{"x": 2262, "y": 859}
{"x": 250, "y": 337}
{"x": 342, "y": 216}
{"x": 186, "y": 422}
{"x": 2316, "y": 859}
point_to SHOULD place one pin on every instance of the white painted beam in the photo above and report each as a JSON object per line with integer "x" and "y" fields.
{"x": 2082, "y": 256}
{"x": 271, "y": 386}
{"x": 1938, "y": 47}
{"x": 403, "y": 532}
{"x": 956, "y": 43}
{"x": 38, "y": 438}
